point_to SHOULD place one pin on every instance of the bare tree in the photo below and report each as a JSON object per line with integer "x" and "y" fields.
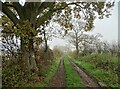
{"x": 90, "y": 43}
{"x": 96, "y": 41}
{"x": 76, "y": 34}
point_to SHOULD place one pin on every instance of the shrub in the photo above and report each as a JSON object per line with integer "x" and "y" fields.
{"x": 44, "y": 56}
{"x": 13, "y": 75}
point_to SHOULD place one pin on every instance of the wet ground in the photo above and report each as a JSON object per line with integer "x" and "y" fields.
{"x": 59, "y": 79}
{"x": 88, "y": 82}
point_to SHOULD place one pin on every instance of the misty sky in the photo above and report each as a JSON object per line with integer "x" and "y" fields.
{"x": 108, "y": 27}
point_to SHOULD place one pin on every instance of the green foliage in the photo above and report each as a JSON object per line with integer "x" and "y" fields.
{"x": 38, "y": 40}
{"x": 105, "y": 61}
{"x": 102, "y": 66}
{"x": 8, "y": 25}
{"x": 13, "y": 75}
{"x": 26, "y": 31}
{"x": 49, "y": 72}
{"x": 72, "y": 78}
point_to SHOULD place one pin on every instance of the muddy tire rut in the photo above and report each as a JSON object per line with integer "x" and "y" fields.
{"x": 59, "y": 79}
{"x": 88, "y": 82}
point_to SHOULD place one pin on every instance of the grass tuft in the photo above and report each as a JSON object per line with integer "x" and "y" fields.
{"x": 72, "y": 77}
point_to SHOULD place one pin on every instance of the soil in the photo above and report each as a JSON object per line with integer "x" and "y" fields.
{"x": 59, "y": 79}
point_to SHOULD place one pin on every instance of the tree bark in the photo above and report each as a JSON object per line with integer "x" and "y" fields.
{"x": 32, "y": 56}
{"x": 46, "y": 46}
{"x": 77, "y": 50}
{"x": 25, "y": 56}
{"x": 28, "y": 58}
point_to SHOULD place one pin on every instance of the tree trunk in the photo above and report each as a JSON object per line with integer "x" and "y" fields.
{"x": 32, "y": 56}
{"x": 28, "y": 58}
{"x": 46, "y": 46}
{"x": 25, "y": 56}
{"x": 77, "y": 50}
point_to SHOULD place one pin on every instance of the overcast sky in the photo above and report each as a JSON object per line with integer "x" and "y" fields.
{"x": 108, "y": 27}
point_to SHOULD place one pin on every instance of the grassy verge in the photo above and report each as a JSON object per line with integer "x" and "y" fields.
{"x": 51, "y": 72}
{"x": 104, "y": 61}
{"x": 72, "y": 78}
{"x": 107, "y": 77}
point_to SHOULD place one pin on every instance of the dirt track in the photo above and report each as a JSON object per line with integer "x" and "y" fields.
{"x": 59, "y": 79}
{"x": 89, "y": 83}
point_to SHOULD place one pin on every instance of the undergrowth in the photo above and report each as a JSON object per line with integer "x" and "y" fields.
{"x": 103, "y": 67}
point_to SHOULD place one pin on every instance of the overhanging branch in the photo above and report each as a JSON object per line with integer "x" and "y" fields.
{"x": 10, "y": 14}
